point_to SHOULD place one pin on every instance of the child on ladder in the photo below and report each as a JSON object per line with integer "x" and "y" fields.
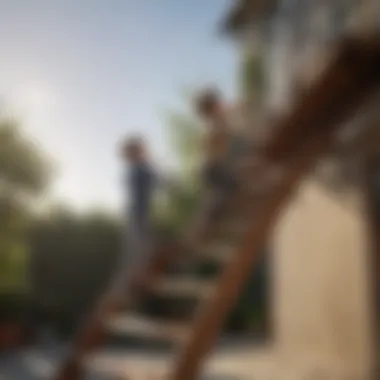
{"x": 142, "y": 184}
{"x": 223, "y": 143}
{"x": 222, "y": 148}
{"x": 228, "y": 146}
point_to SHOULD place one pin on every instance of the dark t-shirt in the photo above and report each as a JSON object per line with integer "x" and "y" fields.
{"x": 142, "y": 182}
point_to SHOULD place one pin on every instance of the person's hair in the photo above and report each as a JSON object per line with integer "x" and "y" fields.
{"x": 206, "y": 101}
{"x": 131, "y": 145}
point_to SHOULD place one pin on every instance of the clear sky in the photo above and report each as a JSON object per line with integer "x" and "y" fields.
{"x": 83, "y": 73}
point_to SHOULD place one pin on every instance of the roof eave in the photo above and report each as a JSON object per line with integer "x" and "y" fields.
{"x": 242, "y": 13}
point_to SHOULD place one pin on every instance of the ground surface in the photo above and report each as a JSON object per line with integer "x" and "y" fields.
{"x": 232, "y": 361}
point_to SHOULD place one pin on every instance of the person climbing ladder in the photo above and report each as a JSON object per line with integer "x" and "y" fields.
{"x": 141, "y": 185}
{"x": 222, "y": 143}
{"x": 141, "y": 182}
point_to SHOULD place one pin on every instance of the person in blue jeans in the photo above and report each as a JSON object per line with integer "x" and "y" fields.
{"x": 141, "y": 184}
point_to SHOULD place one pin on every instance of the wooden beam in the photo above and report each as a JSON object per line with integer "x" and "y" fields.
{"x": 351, "y": 75}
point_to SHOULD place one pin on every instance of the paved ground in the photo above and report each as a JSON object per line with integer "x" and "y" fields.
{"x": 234, "y": 364}
{"x": 230, "y": 362}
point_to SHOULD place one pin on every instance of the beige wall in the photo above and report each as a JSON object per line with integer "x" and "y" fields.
{"x": 321, "y": 291}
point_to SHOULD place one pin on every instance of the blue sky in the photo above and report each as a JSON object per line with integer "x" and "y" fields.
{"x": 83, "y": 73}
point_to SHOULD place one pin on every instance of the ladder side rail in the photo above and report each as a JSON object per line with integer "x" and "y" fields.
{"x": 350, "y": 80}
{"x": 211, "y": 319}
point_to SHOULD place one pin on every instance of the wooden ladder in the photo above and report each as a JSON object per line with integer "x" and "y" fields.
{"x": 232, "y": 243}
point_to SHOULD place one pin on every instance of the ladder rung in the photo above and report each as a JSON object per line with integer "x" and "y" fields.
{"x": 137, "y": 366}
{"x": 139, "y": 326}
{"x": 260, "y": 189}
{"x": 232, "y": 229}
{"x": 184, "y": 287}
{"x": 220, "y": 252}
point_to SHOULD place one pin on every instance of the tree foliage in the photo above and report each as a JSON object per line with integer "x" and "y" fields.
{"x": 185, "y": 136}
{"x": 184, "y": 132}
{"x": 24, "y": 170}
{"x": 251, "y": 78}
{"x": 74, "y": 258}
{"x": 24, "y": 175}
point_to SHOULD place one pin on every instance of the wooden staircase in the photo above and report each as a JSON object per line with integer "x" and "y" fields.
{"x": 230, "y": 244}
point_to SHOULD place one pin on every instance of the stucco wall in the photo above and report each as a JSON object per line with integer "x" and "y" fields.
{"x": 321, "y": 285}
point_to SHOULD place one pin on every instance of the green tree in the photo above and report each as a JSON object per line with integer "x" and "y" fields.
{"x": 184, "y": 133}
{"x": 252, "y": 310}
{"x": 185, "y": 136}
{"x": 252, "y": 80}
{"x": 24, "y": 175}
{"x": 74, "y": 258}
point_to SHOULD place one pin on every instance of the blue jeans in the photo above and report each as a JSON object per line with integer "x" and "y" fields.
{"x": 139, "y": 242}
